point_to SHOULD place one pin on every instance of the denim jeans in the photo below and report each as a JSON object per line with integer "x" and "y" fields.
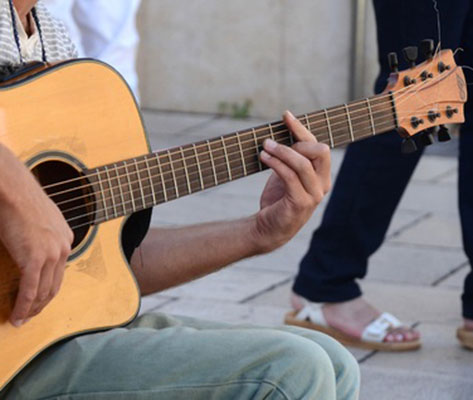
{"x": 163, "y": 357}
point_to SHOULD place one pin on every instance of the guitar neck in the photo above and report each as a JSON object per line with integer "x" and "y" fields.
{"x": 136, "y": 184}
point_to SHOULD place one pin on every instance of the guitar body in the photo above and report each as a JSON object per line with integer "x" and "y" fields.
{"x": 76, "y": 115}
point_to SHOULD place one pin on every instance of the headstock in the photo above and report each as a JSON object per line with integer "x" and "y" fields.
{"x": 428, "y": 95}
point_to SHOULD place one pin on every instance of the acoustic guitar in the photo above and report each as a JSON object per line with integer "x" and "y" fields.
{"x": 77, "y": 127}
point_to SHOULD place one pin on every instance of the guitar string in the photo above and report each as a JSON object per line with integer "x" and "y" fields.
{"x": 316, "y": 114}
{"x": 185, "y": 166}
{"x": 183, "y": 185}
{"x": 239, "y": 151}
{"x": 309, "y": 122}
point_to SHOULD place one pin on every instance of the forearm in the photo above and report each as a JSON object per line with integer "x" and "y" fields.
{"x": 172, "y": 256}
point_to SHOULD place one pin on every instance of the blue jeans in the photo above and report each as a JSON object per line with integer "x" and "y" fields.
{"x": 162, "y": 357}
{"x": 374, "y": 173}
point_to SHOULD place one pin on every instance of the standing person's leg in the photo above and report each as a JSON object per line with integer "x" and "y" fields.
{"x": 172, "y": 358}
{"x": 369, "y": 186}
{"x": 465, "y": 186}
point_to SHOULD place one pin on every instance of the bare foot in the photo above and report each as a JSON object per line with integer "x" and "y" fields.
{"x": 352, "y": 317}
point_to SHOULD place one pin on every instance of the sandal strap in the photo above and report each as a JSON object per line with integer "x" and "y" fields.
{"x": 377, "y": 330}
{"x": 313, "y": 313}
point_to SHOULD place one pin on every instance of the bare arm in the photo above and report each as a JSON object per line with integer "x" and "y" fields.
{"x": 301, "y": 178}
{"x": 35, "y": 234}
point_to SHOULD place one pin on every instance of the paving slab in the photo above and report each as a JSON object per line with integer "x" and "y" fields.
{"x": 230, "y": 284}
{"x": 398, "y": 263}
{"x": 457, "y": 279}
{"x": 434, "y": 197}
{"x": 382, "y": 383}
{"x": 434, "y": 168}
{"x": 438, "y": 230}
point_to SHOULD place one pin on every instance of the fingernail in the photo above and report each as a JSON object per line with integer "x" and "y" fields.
{"x": 265, "y": 156}
{"x": 17, "y": 323}
{"x": 289, "y": 114}
{"x": 270, "y": 144}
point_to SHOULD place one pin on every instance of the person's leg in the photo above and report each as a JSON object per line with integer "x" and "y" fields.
{"x": 465, "y": 179}
{"x": 370, "y": 183}
{"x": 167, "y": 358}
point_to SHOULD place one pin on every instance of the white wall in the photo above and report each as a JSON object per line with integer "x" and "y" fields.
{"x": 280, "y": 54}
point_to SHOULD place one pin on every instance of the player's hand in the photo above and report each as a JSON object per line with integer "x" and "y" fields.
{"x": 300, "y": 180}
{"x": 36, "y": 236}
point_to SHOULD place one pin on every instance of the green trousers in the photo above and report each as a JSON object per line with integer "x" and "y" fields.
{"x": 163, "y": 357}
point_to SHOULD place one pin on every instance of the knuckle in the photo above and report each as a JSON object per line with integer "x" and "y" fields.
{"x": 30, "y": 296}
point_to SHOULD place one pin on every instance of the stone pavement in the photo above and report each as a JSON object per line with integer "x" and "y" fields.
{"x": 417, "y": 275}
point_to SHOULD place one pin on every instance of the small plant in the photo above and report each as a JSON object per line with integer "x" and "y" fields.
{"x": 236, "y": 110}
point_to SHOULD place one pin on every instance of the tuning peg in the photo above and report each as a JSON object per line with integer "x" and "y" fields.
{"x": 442, "y": 134}
{"x": 427, "y": 48}
{"x": 408, "y": 146}
{"x": 426, "y": 138}
{"x": 410, "y": 54}
{"x": 393, "y": 62}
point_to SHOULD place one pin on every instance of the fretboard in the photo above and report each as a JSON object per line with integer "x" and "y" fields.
{"x": 132, "y": 185}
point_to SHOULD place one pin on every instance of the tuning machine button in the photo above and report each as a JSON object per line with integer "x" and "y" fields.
{"x": 426, "y": 138}
{"x": 408, "y": 146}
{"x": 427, "y": 48}
{"x": 393, "y": 62}
{"x": 442, "y": 134}
{"x": 410, "y": 54}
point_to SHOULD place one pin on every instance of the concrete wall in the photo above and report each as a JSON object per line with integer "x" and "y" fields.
{"x": 280, "y": 54}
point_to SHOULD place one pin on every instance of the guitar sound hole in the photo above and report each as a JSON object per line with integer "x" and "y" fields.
{"x": 71, "y": 192}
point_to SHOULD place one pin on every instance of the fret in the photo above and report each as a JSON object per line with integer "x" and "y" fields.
{"x": 329, "y": 127}
{"x": 150, "y": 177}
{"x": 130, "y": 186}
{"x": 212, "y": 162}
{"x": 163, "y": 183}
{"x": 202, "y": 186}
{"x": 370, "y": 113}
{"x": 307, "y": 122}
{"x": 114, "y": 206}
{"x": 226, "y": 158}
{"x": 173, "y": 172}
{"x": 122, "y": 196}
{"x": 143, "y": 197}
{"x": 349, "y": 123}
{"x": 243, "y": 163}
{"x": 186, "y": 171}
{"x": 105, "y": 208}
{"x": 271, "y": 132}
{"x": 257, "y": 149}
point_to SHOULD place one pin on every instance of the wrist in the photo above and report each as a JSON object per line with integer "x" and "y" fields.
{"x": 264, "y": 240}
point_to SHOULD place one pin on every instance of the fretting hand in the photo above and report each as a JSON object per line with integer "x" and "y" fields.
{"x": 300, "y": 180}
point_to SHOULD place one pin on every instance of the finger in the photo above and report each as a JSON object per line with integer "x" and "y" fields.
{"x": 289, "y": 178}
{"x": 59, "y": 276}
{"x": 297, "y": 128}
{"x": 300, "y": 165}
{"x": 44, "y": 288}
{"x": 27, "y": 292}
{"x": 320, "y": 156}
